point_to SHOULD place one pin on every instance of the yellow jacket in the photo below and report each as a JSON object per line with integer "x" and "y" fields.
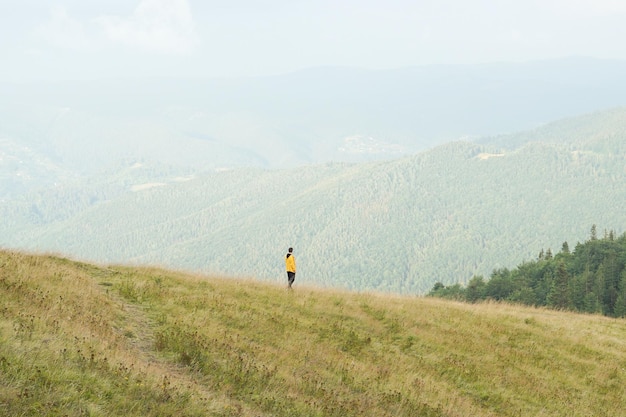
{"x": 290, "y": 263}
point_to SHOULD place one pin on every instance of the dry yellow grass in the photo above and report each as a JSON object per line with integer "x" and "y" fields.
{"x": 79, "y": 339}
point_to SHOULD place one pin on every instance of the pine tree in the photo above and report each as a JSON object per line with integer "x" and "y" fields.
{"x": 592, "y": 303}
{"x": 598, "y": 291}
{"x": 611, "y": 269}
{"x": 620, "y": 304}
{"x": 475, "y": 289}
{"x": 578, "y": 291}
{"x": 558, "y": 296}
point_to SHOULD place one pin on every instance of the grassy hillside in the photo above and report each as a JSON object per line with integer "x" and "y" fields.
{"x": 79, "y": 339}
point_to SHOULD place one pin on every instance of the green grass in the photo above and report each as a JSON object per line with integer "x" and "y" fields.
{"x": 79, "y": 339}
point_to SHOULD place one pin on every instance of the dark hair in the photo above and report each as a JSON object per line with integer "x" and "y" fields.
{"x": 290, "y": 249}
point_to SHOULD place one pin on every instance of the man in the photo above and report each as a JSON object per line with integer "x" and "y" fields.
{"x": 290, "y": 263}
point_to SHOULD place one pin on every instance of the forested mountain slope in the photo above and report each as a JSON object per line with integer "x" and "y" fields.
{"x": 445, "y": 215}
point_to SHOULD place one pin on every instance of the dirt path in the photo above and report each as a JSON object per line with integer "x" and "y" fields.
{"x": 138, "y": 331}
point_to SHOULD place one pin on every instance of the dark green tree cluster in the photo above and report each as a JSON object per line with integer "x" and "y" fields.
{"x": 591, "y": 279}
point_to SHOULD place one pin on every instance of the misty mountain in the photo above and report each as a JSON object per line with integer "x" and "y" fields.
{"x": 22, "y": 169}
{"x": 308, "y": 117}
{"x": 601, "y": 131}
{"x": 457, "y": 210}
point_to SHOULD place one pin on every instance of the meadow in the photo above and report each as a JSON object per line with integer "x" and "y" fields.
{"x": 79, "y": 339}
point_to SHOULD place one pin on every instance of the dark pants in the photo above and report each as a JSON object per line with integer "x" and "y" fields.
{"x": 291, "y": 277}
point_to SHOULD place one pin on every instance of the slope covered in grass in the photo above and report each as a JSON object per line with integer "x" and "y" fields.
{"x": 78, "y": 339}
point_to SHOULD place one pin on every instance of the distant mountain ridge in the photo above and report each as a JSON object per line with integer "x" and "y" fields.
{"x": 312, "y": 116}
{"x": 600, "y": 130}
{"x": 443, "y": 215}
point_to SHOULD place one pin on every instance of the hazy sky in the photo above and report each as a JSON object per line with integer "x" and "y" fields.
{"x": 86, "y": 39}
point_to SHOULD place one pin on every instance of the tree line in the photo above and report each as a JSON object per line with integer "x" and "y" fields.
{"x": 589, "y": 279}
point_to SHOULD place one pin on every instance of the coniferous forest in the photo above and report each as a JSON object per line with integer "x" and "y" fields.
{"x": 589, "y": 278}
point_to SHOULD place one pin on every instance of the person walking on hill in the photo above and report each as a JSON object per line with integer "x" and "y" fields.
{"x": 290, "y": 264}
